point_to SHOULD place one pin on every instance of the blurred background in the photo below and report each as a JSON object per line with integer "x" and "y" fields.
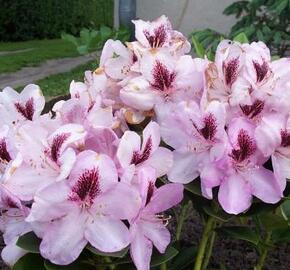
{"x": 51, "y": 42}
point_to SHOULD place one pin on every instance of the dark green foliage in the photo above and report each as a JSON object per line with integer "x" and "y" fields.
{"x": 264, "y": 20}
{"x": 37, "y": 19}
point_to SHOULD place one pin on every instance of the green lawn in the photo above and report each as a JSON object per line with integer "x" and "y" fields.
{"x": 59, "y": 84}
{"x": 41, "y": 50}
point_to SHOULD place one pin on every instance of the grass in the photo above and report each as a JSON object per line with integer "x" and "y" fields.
{"x": 41, "y": 50}
{"x": 59, "y": 84}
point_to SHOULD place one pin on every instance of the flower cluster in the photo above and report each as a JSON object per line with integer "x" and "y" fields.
{"x": 80, "y": 176}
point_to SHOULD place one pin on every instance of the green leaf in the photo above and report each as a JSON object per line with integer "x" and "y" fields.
{"x": 120, "y": 254}
{"x": 273, "y": 221}
{"x": 106, "y": 32}
{"x": 29, "y": 242}
{"x": 242, "y": 38}
{"x": 285, "y": 209}
{"x": 169, "y": 254}
{"x": 281, "y": 235}
{"x": 70, "y": 38}
{"x": 219, "y": 215}
{"x": 241, "y": 233}
{"x": 194, "y": 187}
{"x": 29, "y": 262}
{"x": 185, "y": 257}
{"x": 73, "y": 266}
{"x": 83, "y": 49}
{"x": 199, "y": 49}
{"x": 279, "y": 6}
{"x": 260, "y": 208}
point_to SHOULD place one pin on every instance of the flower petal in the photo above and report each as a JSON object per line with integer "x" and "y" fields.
{"x": 164, "y": 198}
{"x": 64, "y": 240}
{"x": 184, "y": 168}
{"x": 157, "y": 233}
{"x": 264, "y": 185}
{"x": 107, "y": 234}
{"x": 234, "y": 194}
{"x": 141, "y": 250}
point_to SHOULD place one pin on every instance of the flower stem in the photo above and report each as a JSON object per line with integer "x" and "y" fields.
{"x": 261, "y": 262}
{"x": 108, "y": 260}
{"x": 163, "y": 266}
{"x": 209, "y": 250}
{"x": 181, "y": 219}
{"x": 210, "y": 225}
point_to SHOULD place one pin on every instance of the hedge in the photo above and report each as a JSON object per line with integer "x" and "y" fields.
{"x": 38, "y": 19}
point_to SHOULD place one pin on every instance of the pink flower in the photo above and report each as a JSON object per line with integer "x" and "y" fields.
{"x": 116, "y": 60}
{"x": 199, "y": 140}
{"x": 16, "y": 108}
{"x": 132, "y": 155}
{"x": 244, "y": 174}
{"x": 148, "y": 228}
{"x": 163, "y": 78}
{"x": 91, "y": 196}
{"x": 44, "y": 158}
{"x": 13, "y": 225}
{"x": 273, "y": 139}
{"x": 158, "y": 34}
{"x": 241, "y": 72}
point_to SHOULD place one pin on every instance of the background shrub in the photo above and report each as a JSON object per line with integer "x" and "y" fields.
{"x": 38, "y": 19}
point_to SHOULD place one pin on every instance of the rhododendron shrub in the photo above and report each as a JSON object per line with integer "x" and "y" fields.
{"x": 92, "y": 183}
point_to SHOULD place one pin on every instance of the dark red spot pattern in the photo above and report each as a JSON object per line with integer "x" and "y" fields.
{"x": 158, "y": 38}
{"x": 139, "y": 157}
{"x": 231, "y": 71}
{"x": 245, "y": 147}
{"x": 87, "y": 187}
{"x": 26, "y": 110}
{"x": 4, "y": 154}
{"x": 162, "y": 77}
{"x": 261, "y": 70}
{"x": 253, "y": 110}
{"x": 210, "y": 127}
{"x": 56, "y": 145}
{"x": 150, "y": 192}
{"x": 285, "y": 138}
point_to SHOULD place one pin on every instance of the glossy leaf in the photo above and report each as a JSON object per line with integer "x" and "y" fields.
{"x": 158, "y": 258}
{"x": 120, "y": 254}
{"x": 29, "y": 242}
{"x": 219, "y": 215}
{"x": 241, "y": 233}
{"x": 281, "y": 235}
{"x": 194, "y": 187}
{"x": 242, "y": 38}
{"x": 285, "y": 210}
{"x": 199, "y": 49}
{"x": 30, "y": 262}
{"x": 273, "y": 221}
{"x": 74, "y": 266}
{"x": 185, "y": 257}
